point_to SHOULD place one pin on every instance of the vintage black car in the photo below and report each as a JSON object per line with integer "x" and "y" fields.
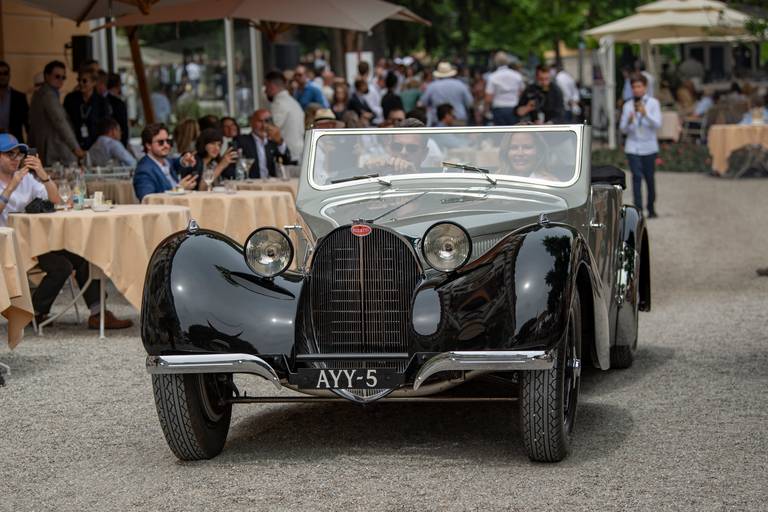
{"x": 423, "y": 259}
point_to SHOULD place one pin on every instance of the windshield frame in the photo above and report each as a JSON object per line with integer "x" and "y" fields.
{"x": 503, "y": 179}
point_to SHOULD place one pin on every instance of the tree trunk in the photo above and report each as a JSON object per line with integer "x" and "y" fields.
{"x": 463, "y": 8}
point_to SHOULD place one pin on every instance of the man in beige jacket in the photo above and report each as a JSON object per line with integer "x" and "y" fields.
{"x": 50, "y": 130}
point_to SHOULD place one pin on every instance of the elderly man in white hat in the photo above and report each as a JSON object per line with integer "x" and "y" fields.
{"x": 446, "y": 89}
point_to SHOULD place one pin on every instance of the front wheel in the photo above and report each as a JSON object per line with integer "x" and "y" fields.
{"x": 193, "y": 417}
{"x": 548, "y": 398}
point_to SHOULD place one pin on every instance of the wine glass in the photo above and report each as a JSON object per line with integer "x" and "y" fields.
{"x": 208, "y": 178}
{"x": 65, "y": 193}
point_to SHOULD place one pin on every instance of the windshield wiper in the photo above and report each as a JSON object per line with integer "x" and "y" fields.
{"x": 362, "y": 177}
{"x": 467, "y": 167}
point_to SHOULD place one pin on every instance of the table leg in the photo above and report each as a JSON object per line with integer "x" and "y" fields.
{"x": 68, "y": 306}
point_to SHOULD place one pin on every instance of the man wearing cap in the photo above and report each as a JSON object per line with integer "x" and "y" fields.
{"x": 265, "y": 144}
{"x": 14, "y": 109}
{"x": 50, "y": 130}
{"x": 22, "y": 179}
{"x": 446, "y": 89}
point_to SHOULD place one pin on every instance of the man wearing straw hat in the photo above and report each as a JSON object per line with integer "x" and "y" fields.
{"x": 446, "y": 89}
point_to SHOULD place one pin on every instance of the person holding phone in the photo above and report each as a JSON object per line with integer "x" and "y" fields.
{"x": 23, "y": 179}
{"x": 211, "y": 156}
{"x": 156, "y": 173}
{"x": 640, "y": 119}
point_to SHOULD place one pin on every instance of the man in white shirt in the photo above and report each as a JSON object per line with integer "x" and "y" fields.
{"x": 570, "y": 91}
{"x": 23, "y": 179}
{"x": 502, "y": 91}
{"x": 640, "y": 119}
{"x": 286, "y": 112}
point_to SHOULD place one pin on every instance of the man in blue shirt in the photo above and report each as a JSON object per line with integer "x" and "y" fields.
{"x": 154, "y": 172}
{"x": 640, "y": 118}
{"x": 307, "y": 92}
{"x": 108, "y": 146}
{"x": 446, "y": 89}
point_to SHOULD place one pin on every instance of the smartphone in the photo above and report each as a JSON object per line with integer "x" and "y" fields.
{"x": 32, "y": 152}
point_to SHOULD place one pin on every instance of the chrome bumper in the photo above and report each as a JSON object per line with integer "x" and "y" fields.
{"x": 495, "y": 361}
{"x": 490, "y": 361}
{"x": 213, "y": 363}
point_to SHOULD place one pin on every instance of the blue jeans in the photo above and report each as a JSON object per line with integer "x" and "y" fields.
{"x": 504, "y": 116}
{"x": 643, "y": 166}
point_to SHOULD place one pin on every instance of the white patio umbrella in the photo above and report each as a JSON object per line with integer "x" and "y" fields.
{"x": 274, "y": 15}
{"x": 668, "y": 21}
{"x": 359, "y": 15}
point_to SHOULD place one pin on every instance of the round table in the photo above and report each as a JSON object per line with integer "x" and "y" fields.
{"x": 291, "y": 185}
{"x": 235, "y": 215}
{"x": 117, "y": 191}
{"x": 119, "y": 241}
{"x": 15, "y": 299}
{"x": 723, "y": 139}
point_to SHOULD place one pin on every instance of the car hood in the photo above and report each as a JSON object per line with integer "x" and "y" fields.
{"x": 480, "y": 210}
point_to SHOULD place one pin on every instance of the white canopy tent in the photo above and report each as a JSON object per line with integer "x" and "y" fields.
{"x": 664, "y": 22}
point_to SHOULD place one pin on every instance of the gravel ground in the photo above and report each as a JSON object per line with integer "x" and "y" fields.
{"x": 684, "y": 429}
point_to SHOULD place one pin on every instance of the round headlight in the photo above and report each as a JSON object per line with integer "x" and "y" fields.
{"x": 268, "y": 252}
{"x": 446, "y": 246}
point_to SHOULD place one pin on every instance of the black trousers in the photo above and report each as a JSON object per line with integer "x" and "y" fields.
{"x": 58, "y": 266}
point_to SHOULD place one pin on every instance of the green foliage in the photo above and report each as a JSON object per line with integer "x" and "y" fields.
{"x": 679, "y": 157}
{"x": 461, "y": 27}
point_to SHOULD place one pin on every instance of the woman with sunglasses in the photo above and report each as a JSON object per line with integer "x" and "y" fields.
{"x": 85, "y": 107}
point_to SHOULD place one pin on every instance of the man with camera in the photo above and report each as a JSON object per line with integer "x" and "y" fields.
{"x": 640, "y": 118}
{"x": 22, "y": 180}
{"x": 542, "y": 101}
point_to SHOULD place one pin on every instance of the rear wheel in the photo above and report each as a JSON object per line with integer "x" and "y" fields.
{"x": 548, "y": 398}
{"x": 194, "y": 420}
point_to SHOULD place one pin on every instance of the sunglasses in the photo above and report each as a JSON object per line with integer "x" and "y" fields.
{"x": 5, "y": 73}
{"x": 60, "y": 77}
{"x": 409, "y": 148}
{"x": 163, "y": 142}
{"x": 84, "y": 81}
{"x": 15, "y": 155}
{"x": 521, "y": 147}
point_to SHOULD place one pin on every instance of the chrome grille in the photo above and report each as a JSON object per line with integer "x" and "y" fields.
{"x": 361, "y": 296}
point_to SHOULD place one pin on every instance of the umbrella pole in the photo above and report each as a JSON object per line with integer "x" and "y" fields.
{"x": 141, "y": 77}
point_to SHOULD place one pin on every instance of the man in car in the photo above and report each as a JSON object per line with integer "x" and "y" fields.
{"x": 406, "y": 152}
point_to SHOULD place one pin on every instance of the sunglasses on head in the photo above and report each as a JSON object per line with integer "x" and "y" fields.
{"x": 163, "y": 142}
{"x": 409, "y": 148}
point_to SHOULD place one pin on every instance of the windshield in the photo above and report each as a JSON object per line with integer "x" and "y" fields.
{"x": 540, "y": 155}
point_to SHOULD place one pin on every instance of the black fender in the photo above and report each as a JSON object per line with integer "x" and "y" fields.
{"x": 514, "y": 297}
{"x": 633, "y": 283}
{"x": 201, "y": 297}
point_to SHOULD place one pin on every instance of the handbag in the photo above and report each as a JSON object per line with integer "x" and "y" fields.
{"x": 38, "y": 205}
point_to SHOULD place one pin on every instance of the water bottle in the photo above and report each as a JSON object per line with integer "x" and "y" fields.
{"x": 78, "y": 192}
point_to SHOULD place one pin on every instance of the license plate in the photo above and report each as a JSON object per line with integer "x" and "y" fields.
{"x": 359, "y": 378}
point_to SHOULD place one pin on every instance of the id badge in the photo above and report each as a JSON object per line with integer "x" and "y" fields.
{"x": 83, "y": 131}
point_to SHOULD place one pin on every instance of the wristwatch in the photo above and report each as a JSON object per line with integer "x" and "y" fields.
{"x": 4, "y": 199}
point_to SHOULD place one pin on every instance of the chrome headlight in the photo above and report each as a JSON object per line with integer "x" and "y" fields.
{"x": 268, "y": 251}
{"x": 446, "y": 246}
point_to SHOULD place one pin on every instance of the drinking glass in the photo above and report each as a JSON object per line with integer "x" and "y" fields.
{"x": 65, "y": 193}
{"x": 208, "y": 178}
